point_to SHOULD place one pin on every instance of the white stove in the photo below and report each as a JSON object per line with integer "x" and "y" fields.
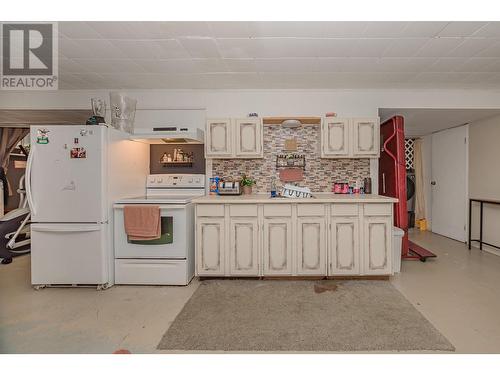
{"x": 170, "y": 259}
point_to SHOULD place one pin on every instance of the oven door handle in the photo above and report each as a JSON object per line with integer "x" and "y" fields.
{"x": 162, "y": 206}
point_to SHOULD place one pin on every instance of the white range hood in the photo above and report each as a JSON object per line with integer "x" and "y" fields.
{"x": 166, "y": 126}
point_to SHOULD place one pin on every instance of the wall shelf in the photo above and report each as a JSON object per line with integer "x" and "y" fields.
{"x": 177, "y": 164}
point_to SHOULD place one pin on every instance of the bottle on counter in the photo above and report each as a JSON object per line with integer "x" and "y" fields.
{"x": 368, "y": 185}
{"x": 273, "y": 188}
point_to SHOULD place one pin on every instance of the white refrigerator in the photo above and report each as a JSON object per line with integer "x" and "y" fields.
{"x": 74, "y": 174}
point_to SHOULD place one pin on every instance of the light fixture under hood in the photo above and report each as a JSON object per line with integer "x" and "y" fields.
{"x": 291, "y": 123}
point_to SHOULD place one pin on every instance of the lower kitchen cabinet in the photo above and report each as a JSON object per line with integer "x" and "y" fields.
{"x": 311, "y": 246}
{"x": 294, "y": 239}
{"x": 244, "y": 247}
{"x": 277, "y": 249}
{"x": 377, "y": 239}
{"x": 344, "y": 246}
{"x": 210, "y": 246}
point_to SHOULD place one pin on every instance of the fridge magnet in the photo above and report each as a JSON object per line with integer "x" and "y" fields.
{"x": 78, "y": 153}
{"x": 42, "y": 137}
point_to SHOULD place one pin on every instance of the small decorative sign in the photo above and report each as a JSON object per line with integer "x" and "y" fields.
{"x": 42, "y": 137}
{"x": 78, "y": 153}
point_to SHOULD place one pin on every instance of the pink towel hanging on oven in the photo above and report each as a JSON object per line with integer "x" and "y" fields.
{"x": 142, "y": 222}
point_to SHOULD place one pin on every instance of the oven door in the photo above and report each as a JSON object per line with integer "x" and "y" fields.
{"x": 176, "y": 233}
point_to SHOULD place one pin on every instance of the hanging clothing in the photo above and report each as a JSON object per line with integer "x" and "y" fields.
{"x": 419, "y": 181}
{"x": 9, "y": 138}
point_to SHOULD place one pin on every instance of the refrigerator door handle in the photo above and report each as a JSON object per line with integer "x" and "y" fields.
{"x": 29, "y": 166}
{"x": 383, "y": 183}
{"x": 66, "y": 228}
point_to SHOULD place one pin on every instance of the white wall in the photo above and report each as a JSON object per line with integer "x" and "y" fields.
{"x": 484, "y": 177}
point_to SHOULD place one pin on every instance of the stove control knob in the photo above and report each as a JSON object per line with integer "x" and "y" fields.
{"x": 190, "y": 181}
{"x": 160, "y": 180}
{"x": 152, "y": 180}
{"x": 198, "y": 180}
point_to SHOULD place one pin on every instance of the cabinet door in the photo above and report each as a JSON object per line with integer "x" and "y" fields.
{"x": 277, "y": 246}
{"x": 210, "y": 246}
{"x": 335, "y": 139}
{"x": 344, "y": 246}
{"x": 366, "y": 137}
{"x": 377, "y": 242}
{"x": 311, "y": 246}
{"x": 219, "y": 138}
{"x": 249, "y": 141}
{"x": 244, "y": 251}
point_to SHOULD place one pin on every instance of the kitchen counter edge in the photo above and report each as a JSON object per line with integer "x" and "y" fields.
{"x": 318, "y": 198}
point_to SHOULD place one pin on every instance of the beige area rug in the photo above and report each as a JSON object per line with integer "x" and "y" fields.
{"x": 272, "y": 315}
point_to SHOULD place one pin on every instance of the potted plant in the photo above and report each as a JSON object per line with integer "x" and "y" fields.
{"x": 247, "y": 184}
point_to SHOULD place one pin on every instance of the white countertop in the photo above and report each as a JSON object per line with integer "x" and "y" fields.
{"x": 318, "y": 198}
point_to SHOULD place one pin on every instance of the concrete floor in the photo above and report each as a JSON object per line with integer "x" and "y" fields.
{"x": 458, "y": 292}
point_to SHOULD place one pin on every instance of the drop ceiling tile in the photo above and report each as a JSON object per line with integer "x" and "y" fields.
{"x": 170, "y": 66}
{"x": 77, "y": 30}
{"x": 370, "y": 47}
{"x": 240, "y": 65}
{"x": 230, "y": 29}
{"x": 461, "y": 29}
{"x": 398, "y": 64}
{"x": 344, "y": 29}
{"x": 110, "y": 66}
{"x": 404, "y": 47}
{"x": 471, "y": 47}
{"x": 332, "y": 64}
{"x": 84, "y": 48}
{"x": 210, "y": 66}
{"x": 158, "y": 49}
{"x": 70, "y": 66}
{"x": 288, "y": 29}
{"x": 292, "y": 65}
{"x": 236, "y": 47}
{"x": 445, "y": 64}
{"x": 286, "y": 47}
{"x": 491, "y": 30}
{"x": 380, "y": 29}
{"x": 228, "y": 80}
{"x": 422, "y": 29}
{"x": 480, "y": 65}
{"x": 435, "y": 78}
{"x": 188, "y": 29}
{"x": 200, "y": 47}
{"x": 120, "y": 30}
{"x": 438, "y": 47}
{"x": 491, "y": 51}
{"x": 335, "y": 47}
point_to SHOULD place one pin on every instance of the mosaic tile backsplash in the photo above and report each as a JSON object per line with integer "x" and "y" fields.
{"x": 319, "y": 175}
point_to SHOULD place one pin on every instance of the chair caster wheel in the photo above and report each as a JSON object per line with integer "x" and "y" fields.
{"x": 6, "y": 260}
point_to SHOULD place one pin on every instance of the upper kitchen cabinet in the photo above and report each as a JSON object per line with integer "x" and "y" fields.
{"x": 350, "y": 138}
{"x": 219, "y": 138}
{"x": 335, "y": 134}
{"x": 234, "y": 138}
{"x": 249, "y": 140}
{"x": 366, "y": 137}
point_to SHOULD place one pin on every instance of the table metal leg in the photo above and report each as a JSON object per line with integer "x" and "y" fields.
{"x": 481, "y": 227}
{"x": 470, "y": 222}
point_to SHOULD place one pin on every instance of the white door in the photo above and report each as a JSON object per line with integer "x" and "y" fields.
{"x": 219, "y": 138}
{"x": 335, "y": 136}
{"x": 449, "y": 182}
{"x": 69, "y": 254}
{"x": 65, "y": 174}
{"x": 244, "y": 252}
{"x": 344, "y": 246}
{"x": 210, "y": 246}
{"x": 249, "y": 141}
{"x": 311, "y": 246}
{"x": 277, "y": 250}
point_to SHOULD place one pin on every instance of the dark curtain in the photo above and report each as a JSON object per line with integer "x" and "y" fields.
{"x": 9, "y": 138}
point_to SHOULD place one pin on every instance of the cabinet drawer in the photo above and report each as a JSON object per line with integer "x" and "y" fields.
{"x": 378, "y": 209}
{"x": 310, "y": 210}
{"x": 345, "y": 209}
{"x": 243, "y": 210}
{"x": 210, "y": 210}
{"x": 277, "y": 210}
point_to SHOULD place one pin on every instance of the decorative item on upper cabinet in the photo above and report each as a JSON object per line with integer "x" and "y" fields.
{"x": 247, "y": 184}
